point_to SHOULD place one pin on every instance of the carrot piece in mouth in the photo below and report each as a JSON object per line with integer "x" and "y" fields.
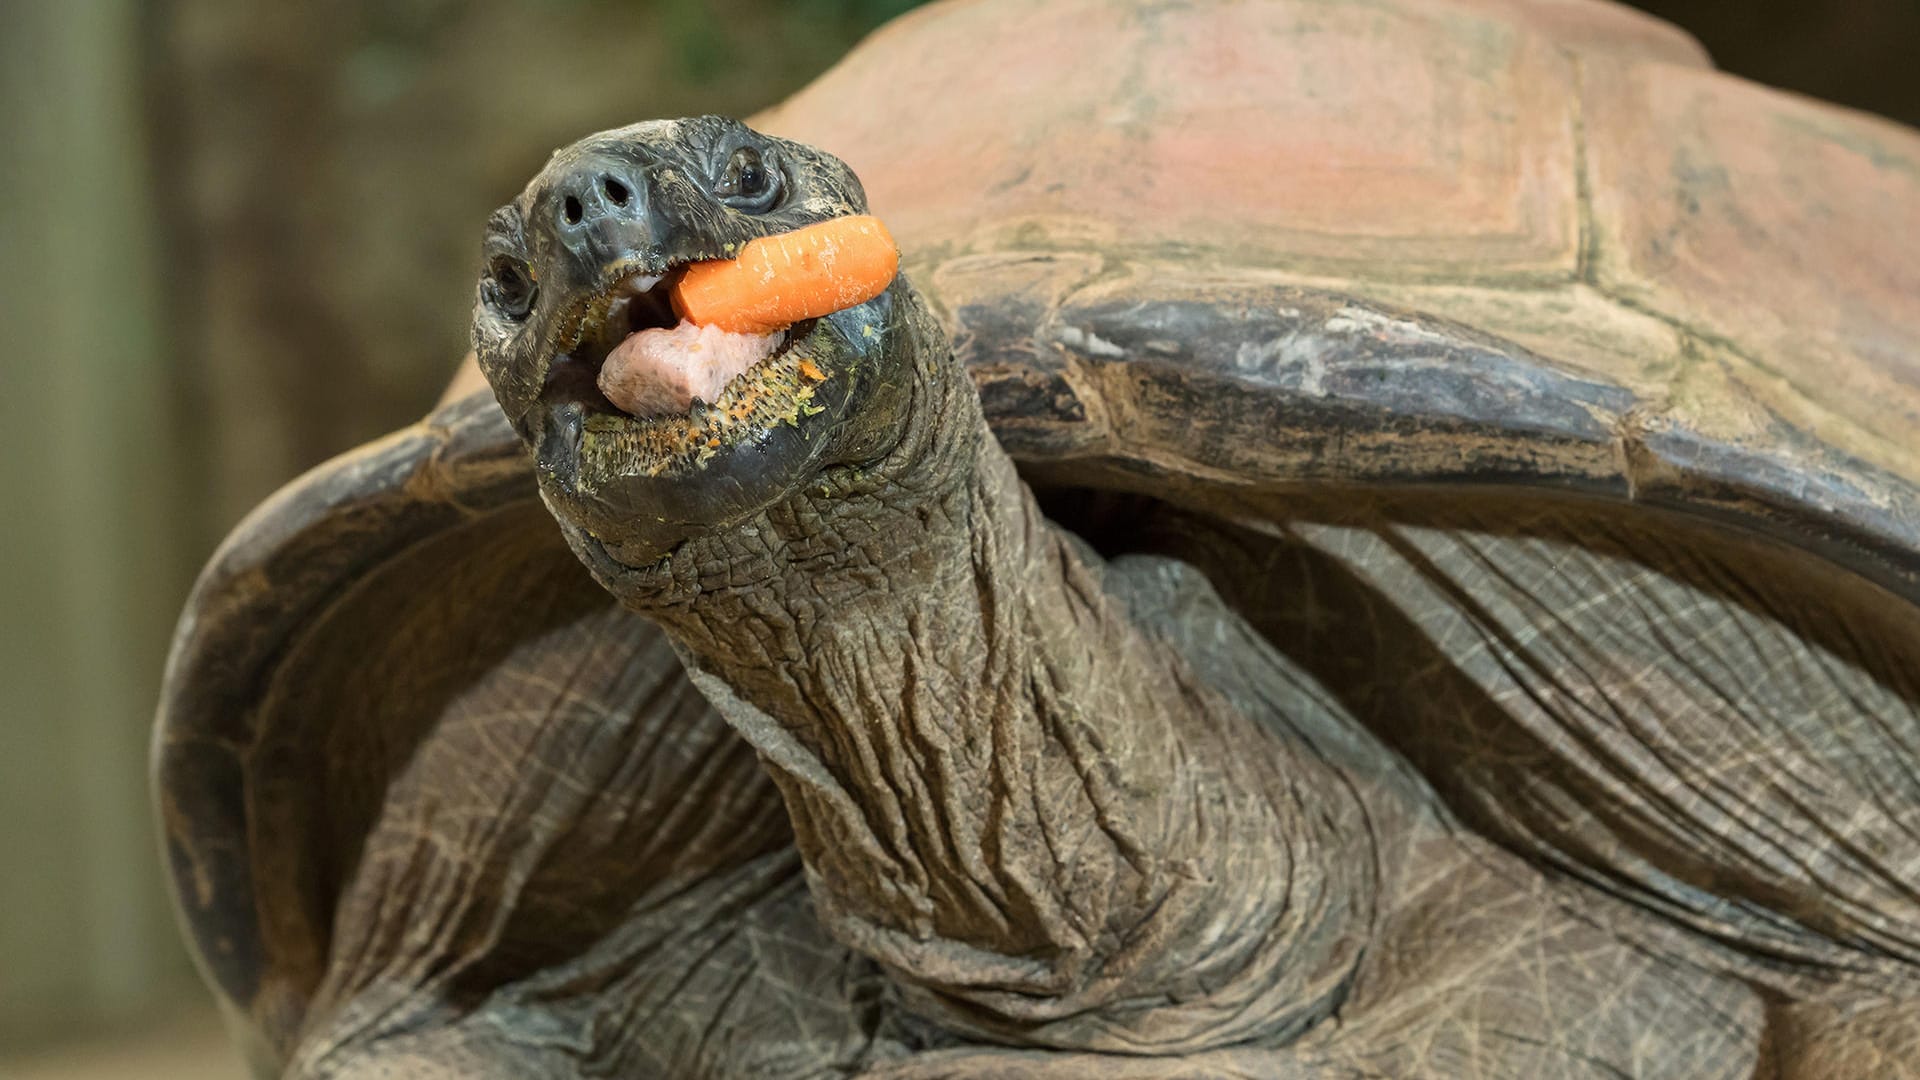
{"x": 780, "y": 280}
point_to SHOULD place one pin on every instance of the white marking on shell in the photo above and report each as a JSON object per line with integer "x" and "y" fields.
{"x": 1352, "y": 320}
{"x": 1088, "y": 342}
{"x": 1290, "y": 353}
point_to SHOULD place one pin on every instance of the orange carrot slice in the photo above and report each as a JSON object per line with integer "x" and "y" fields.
{"x": 777, "y": 281}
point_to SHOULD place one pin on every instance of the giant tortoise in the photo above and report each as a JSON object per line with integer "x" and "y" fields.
{"x": 1368, "y": 539}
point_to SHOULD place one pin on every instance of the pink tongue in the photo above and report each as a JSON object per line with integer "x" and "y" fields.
{"x": 660, "y": 372}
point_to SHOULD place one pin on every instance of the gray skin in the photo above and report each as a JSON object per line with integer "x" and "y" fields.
{"x": 849, "y": 760}
{"x": 1024, "y": 806}
{"x": 1064, "y": 803}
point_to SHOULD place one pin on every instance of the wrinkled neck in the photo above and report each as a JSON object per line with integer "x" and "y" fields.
{"x": 932, "y": 686}
{"x": 1003, "y": 789}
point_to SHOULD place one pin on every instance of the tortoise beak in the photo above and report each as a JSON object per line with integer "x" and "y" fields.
{"x": 603, "y": 231}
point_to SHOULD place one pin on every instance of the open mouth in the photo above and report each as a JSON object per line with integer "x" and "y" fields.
{"x": 638, "y": 384}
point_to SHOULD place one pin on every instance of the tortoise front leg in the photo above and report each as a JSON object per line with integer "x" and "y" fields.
{"x": 725, "y": 978}
{"x": 1480, "y": 965}
{"x": 533, "y": 849}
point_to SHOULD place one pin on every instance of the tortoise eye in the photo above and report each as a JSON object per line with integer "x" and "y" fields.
{"x": 749, "y": 182}
{"x": 510, "y": 286}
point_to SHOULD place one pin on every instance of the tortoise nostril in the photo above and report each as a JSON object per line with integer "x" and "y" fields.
{"x": 597, "y": 192}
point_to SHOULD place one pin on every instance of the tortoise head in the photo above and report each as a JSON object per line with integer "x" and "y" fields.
{"x": 586, "y": 256}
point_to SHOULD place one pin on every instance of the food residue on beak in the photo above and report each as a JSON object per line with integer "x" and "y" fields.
{"x": 734, "y": 311}
{"x": 660, "y": 372}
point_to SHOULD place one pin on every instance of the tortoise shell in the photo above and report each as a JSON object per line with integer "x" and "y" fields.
{"x": 1539, "y": 245}
{"x": 1359, "y": 279}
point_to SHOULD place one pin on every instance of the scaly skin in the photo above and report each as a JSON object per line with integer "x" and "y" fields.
{"x": 1069, "y": 806}
{"x": 1032, "y": 814}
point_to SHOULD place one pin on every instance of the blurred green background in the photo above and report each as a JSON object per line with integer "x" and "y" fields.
{"x": 238, "y": 237}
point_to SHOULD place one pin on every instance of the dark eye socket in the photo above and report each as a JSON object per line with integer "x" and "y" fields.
{"x": 749, "y": 182}
{"x": 510, "y": 286}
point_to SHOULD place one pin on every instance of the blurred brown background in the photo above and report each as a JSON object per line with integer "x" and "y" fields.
{"x": 239, "y": 237}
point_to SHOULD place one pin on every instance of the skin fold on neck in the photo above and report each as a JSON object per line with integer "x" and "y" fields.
{"x": 1025, "y": 807}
